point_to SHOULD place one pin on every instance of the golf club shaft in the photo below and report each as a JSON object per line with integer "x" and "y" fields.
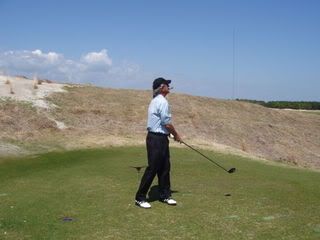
{"x": 205, "y": 156}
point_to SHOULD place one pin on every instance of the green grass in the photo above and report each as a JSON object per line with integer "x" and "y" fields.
{"x": 315, "y": 112}
{"x": 96, "y": 188}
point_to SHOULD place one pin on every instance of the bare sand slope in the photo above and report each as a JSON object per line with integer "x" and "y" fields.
{"x": 33, "y": 91}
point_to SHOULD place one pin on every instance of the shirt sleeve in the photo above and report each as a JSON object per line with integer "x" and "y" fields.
{"x": 165, "y": 114}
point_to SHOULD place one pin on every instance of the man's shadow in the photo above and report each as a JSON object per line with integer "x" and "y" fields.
{"x": 154, "y": 194}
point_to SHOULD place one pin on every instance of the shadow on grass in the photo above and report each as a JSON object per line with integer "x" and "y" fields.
{"x": 154, "y": 194}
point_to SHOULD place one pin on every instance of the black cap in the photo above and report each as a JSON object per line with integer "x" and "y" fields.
{"x": 157, "y": 82}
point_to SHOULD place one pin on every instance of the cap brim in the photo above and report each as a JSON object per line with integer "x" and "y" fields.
{"x": 168, "y": 81}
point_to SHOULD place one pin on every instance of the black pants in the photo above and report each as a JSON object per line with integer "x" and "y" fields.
{"x": 158, "y": 164}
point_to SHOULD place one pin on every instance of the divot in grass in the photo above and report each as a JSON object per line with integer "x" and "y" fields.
{"x": 68, "y": 219}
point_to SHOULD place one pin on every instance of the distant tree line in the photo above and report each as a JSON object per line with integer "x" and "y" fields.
{"x": 286, "y": 104}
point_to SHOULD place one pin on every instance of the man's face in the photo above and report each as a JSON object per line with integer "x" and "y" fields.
{"x": 165, "y": 89}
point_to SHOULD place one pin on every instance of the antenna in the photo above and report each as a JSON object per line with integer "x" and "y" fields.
{"x": 233, "y": 62}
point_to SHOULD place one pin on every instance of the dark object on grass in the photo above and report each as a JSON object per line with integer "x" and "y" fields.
{"x": 231, "y": 170}
{"x": 67, "y": 219}
{"x": 227, "y": 194}
{"x": 138, "y": 168}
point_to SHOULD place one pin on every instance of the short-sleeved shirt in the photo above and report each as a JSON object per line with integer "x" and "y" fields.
{"x": 158, "y": 115}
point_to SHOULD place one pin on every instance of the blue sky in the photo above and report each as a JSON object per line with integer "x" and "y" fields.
{"x": 274, "y": 45}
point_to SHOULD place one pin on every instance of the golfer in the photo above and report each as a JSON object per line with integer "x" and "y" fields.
{"x": 159, "y": 127}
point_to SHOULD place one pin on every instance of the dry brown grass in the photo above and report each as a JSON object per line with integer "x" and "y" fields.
{"x": 21, "y": 125}
{"x": 98, "y": 117}
{"x": 274, "y": 134}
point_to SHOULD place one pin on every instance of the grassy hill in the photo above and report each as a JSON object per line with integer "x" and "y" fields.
{"x": 96, "y": 117}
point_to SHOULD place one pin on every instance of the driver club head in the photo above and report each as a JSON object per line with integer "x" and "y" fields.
{"x": 231, "y": 170}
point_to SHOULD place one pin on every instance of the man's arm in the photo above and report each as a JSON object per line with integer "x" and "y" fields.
{"x": 173, "y": 131}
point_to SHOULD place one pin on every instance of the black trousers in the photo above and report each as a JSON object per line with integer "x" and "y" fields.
{"x": 158, "y": 164}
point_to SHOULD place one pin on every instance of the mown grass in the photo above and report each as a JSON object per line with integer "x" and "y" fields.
{"x": 96, "y": 189}
{"x": 315, "y": 112}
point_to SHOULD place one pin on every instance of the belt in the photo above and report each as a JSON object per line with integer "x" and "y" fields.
{"x": 159, "y": 134}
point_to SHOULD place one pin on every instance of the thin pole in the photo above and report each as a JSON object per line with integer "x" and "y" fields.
{"x": 233, "y": 63}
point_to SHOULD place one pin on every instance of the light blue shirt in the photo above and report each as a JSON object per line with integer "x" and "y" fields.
{"x": 158, "y": 115}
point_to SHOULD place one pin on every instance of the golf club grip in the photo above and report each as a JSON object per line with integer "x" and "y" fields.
{"x": 204, "y": 156}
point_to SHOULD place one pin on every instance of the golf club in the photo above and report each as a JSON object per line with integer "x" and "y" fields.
{"x": 231, "y": 170}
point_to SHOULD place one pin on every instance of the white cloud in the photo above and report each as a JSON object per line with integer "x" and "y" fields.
{"x": 37, "y": 52}
{"x": 98, "y": 58}
{"x": 93, "y": 67}
{"x": 50, "y": 57}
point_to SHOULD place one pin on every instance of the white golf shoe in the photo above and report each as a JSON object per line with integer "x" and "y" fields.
{"x": 169, "y": 201}
{"x": 143, "y": 204}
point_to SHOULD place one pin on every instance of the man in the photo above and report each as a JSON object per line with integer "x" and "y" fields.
{"x": 159, "y": 127}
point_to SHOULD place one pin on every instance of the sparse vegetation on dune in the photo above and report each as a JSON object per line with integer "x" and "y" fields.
{"x": 96, "y": 117}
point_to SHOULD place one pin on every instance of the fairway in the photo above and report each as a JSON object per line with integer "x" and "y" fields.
{"x": 89, "y": 194}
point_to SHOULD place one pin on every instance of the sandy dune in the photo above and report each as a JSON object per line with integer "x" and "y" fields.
{"x": 23, "y": 89}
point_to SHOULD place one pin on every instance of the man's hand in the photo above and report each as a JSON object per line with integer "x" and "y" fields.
{"x": 172, "y": 131}
{"x": 177, "y": 138}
